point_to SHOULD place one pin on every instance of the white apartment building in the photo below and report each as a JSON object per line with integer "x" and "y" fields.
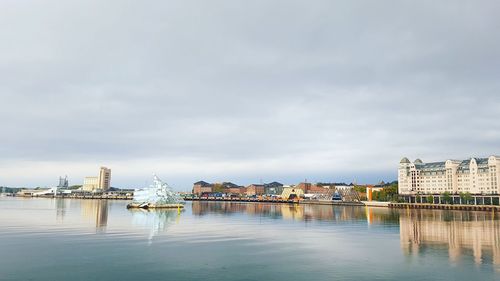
{"x": 475, "y": 175}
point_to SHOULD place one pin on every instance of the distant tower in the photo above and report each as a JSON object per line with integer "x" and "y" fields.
{"x": 104, "y": 179}
{"x": 63, "y": 182}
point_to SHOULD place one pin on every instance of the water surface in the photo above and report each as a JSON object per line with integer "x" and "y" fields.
{"x": 68, "y": 239}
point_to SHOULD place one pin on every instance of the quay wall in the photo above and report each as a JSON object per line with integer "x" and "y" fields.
{"x": 276, "y": 200}
{"x": 103, "y": 197}
{"x": 458, "y": 207}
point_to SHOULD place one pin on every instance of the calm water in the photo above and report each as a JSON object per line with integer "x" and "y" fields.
{"x": 55, "y": 239}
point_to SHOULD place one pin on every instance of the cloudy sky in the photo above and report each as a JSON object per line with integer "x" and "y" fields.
{"x": 244, "y": 90}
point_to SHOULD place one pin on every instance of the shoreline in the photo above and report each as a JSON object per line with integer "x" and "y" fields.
{"x": 377, "y": 204}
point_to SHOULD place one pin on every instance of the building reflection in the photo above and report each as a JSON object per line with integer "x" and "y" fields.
{"x": 60, "y": 205}
{"x": 463, "y": 235}
{"x": 297, "y": 212}
{"x": 96, "y": 210}
{"x": 475, "y": 234}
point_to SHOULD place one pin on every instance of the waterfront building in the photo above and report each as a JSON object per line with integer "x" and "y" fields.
{"x": 201, "y": 187}
{"x": 37, "y": 192}
{"x": 310, "y": 188}
{"x": 100, "y": 183}
{"x": 273, "y": 188}
{"x": 104, "y": 179}
{"x": 292, "y": 193}
{"x": 370, "y": 189}
{"x": 238, "y": 190}
{"x": 475, "y": 175}
{"x": 90, "y": 184}
{"x": 255, "y": 189}
{"x": 229, "y": 188}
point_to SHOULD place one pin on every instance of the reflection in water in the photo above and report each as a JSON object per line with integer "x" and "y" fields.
{"x": 157, "y": 221}
{"x": 473, "y": 236}
{"x": 291, "y": 211}
{"x": 462, "y": 233}
{"x": 96, "y": 210}
{"x": 60, "y": 209}
{"x": 229, "y": 241}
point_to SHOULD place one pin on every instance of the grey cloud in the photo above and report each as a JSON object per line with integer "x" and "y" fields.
{"x": 344, "y": 88}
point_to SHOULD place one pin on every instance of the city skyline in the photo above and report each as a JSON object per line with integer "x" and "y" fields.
{"x": 244, "y": 91}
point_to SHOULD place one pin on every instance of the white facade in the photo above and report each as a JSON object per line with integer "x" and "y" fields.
{"x": 99, "y": 183}
{"x": 90, "y": 184}
{"x": 475, "y": 175}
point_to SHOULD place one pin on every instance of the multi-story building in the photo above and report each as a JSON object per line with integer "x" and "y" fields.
{"x": 201, "y": 187}
{"x": 90, "y": 184}
{"x": 475, "y": 175}
{"x": 104, "y": 179}
{"x": 255, "y": 189}
{"x": 99, "y": 183}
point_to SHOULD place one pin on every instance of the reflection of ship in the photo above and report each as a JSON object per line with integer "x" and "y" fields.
{"x": 461, "y": 232}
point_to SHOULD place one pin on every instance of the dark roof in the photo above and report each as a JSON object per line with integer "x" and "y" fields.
{"x": 434, "y": 166}
{"x": 482, "y": 161}
{"x": 229, "y": 185}
{"x": 405, "y": 161}
{"x": 464, "y": 165}
{"x": 202, "y": 183}
{"x": 273, "y": 184}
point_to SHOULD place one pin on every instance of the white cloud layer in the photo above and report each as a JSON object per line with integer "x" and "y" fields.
{"x": 244, "y": 90}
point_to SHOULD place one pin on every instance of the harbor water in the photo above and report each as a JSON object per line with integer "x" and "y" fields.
{"x": 72, "y": 239}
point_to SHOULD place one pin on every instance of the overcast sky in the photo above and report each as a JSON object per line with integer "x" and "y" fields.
{"x": 244, "y": 90}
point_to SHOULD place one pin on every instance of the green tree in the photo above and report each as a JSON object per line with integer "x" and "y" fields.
{"x": 466, "y": 197}
{"x": 391, "y": 192}
{"x": 430, "y": 199}
{"x": 446, "y": 197}
{"x": 218, "y": 188}
{"x": 360, "y": 189}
